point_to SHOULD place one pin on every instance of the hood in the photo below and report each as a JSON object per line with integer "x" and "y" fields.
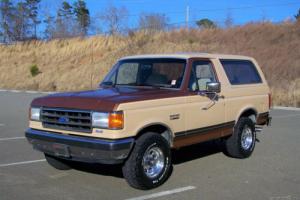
{"x": 103, "y": 99}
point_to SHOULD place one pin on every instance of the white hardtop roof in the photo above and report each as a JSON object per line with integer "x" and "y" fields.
{"x": 188, "y": 55}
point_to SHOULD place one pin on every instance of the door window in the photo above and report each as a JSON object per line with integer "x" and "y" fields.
{"x": 202, "y": 73}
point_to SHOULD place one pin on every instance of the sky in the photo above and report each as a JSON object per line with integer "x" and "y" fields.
{"x": 241, "y": 11}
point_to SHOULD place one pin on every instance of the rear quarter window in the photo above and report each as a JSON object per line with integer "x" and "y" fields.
{"x": 241, "y": 72}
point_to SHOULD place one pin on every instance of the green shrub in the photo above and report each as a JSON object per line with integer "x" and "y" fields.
{"x": 191, "y": 41}
{"x": 34, "y": 70}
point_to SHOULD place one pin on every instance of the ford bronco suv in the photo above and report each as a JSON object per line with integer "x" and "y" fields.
{"x": 150, "y": 104}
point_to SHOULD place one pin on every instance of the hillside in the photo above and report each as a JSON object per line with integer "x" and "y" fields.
{"x": 77, "y": 64}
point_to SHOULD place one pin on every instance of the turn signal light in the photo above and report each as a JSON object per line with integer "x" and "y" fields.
{"x": 116, "y": 120}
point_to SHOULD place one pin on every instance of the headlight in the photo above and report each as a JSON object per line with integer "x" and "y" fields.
{"x": 100, "y": 120}
{"x": 35, "y": 114}
{"x": 114, "y": 120}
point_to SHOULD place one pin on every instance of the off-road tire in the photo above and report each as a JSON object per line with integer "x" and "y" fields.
{"x": 133, "y": 170}
{"x": 57, "y": 163}
{"x": 233, "y": 144}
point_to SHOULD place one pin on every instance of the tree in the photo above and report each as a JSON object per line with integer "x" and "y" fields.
{"x": 82, "y": 16}
{"x": 297, "y": 16}
{"x": 49, "y": 32}
{"x": 32, "y": 9}
{"x": 116, "y": 19}
{"x": 18, "y": 19}
{"x": 7, "y": 15}
{"x": 66, "y": 10}
{"x": 64, "y": 22}
{"x": 20, "y": 23}
{"x": 154, "y": 21}
{"x": 206, "y": 24}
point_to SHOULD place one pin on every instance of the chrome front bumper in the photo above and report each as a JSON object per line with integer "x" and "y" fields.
{"x": 77, "y": 148}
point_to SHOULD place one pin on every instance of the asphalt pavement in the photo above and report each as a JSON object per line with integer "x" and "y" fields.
{"x": 200, "y": 171}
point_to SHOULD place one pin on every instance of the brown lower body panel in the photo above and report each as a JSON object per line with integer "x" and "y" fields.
{"x": 203, "y": 134}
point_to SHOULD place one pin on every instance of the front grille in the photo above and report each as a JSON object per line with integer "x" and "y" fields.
{"x": 70, "y": 120}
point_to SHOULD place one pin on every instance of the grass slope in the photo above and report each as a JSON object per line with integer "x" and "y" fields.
{"x": 77, "y": 64}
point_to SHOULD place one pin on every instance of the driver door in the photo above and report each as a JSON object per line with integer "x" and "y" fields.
{"x": 205, "y": 116}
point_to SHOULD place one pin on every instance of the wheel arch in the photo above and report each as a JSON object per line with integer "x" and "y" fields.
{"x": 157, "y": 127}
{"x": 250, "y": 112}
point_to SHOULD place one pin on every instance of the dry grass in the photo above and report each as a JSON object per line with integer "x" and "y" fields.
{"x": 77, "y": 64}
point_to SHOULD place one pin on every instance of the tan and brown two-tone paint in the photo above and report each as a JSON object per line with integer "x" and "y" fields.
{"x": 196, "y": 119}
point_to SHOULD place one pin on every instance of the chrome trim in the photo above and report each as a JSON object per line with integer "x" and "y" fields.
{"x": 67, "y": 110}
{"x": 247, "y": 138}
{"x": 153, "y": 162}
{"x": 76, "y": 120}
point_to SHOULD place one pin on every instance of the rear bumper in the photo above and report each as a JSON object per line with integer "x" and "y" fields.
{"x": 264, "y": 119}
{"x": 84, "y": 149}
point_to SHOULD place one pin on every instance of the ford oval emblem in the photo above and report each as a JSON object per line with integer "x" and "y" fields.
{"x": 63, "y": 120}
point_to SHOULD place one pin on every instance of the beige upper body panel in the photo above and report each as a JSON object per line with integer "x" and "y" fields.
{"x": 239, "y": 98}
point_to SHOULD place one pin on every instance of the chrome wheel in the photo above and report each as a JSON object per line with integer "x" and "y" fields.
{"x": 153, "y": 162}
{"x": 247, "y": 138}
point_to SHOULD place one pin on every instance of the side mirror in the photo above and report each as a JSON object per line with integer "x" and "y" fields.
{"x": 213, "y": 87}
{"x": 106, "y": 84}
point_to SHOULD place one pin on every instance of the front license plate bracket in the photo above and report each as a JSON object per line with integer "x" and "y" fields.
{"x": 61, "y": 150}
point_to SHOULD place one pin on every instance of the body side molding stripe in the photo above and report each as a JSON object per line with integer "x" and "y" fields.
{"x": 204, "y": 130}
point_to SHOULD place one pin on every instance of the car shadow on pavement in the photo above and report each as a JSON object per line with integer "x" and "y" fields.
{"x": 179, "y": 156}
{"x": 196, "y": 151}
{"x": 100, "y": 169}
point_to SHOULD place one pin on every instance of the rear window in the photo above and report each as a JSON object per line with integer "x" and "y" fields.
{"x": 241, "y": 72}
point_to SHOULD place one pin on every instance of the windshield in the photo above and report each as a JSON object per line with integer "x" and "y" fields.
{"x": 166, "y": 73}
